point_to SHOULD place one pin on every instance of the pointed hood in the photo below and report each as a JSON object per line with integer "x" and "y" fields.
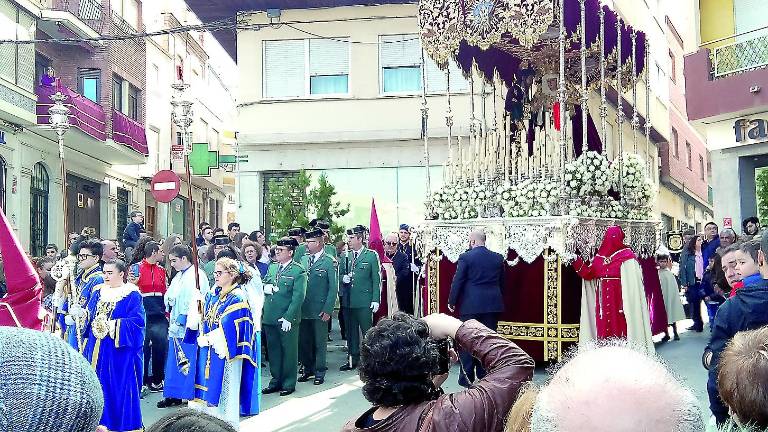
{"x": 612, "y": 241}
{"x": 375, "y": 241}
{"x": 24, "y": 288}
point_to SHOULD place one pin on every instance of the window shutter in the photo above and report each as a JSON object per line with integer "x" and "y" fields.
{"x": 436, "y": 81}
{"x": 328, "y": 57}
{"x": 284, "y": 68}
{"x": 400, "y": 50}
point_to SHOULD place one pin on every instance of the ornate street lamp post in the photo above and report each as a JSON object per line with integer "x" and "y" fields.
{"x": 59, "y": 121}
{"x": 182, "y": 116}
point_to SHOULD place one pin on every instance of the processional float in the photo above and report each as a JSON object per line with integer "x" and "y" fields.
{"x": 535, "y": 172}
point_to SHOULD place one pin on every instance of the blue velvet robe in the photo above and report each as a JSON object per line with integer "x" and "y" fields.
{"x": 233, "y": 315}
{"x": 119, "y": 361}
{"x": 85, "y": 281}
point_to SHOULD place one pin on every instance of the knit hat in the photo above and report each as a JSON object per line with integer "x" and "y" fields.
{"x": 46, "y": 385}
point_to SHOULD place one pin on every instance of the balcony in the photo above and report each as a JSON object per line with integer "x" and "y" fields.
{"x": 728, "y": 80}
{"x": 88, "y": 132}
{"x": 129, "y": 132}
{"x": 88, "y": 116}
{"x": 81, "y": 18}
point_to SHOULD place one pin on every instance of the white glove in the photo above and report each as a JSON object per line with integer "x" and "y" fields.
{"x": 202, "y": 341}
{"x": 415, "y": 268}
{"x": 346, "y": 279}
{"x": 112, "y": 325}
{"x": 76, "y": 311}
{"x": 68, "y": 320}
{"x": 270, "y": 289}
{"x": 374, "y": 307}
{"x": 285, "y": 325}
{"x": 218, "y": 342}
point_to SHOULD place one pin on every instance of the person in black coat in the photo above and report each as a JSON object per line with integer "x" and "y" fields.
{"x": 403, "y": 282}
{"x": 476, "y": 293}
{"x": 133, "y": 230}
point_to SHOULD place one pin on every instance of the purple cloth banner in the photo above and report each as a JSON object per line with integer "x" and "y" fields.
{"x": 86, "y": 115}
{"x": 129, "y": 132}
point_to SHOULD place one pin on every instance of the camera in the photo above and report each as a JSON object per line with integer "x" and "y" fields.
{"x": 443, "y": 348}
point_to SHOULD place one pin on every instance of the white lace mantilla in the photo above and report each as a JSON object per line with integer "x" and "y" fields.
{"x": 529, "y": 237}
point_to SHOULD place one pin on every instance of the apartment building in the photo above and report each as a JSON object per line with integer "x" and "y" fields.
{"x": 726, "y": 77}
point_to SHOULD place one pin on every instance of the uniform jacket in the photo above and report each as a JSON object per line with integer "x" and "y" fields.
{"x": 287, "y": 301}
{"x": 365, "y": 287}
{"x": 481, "y": 408}
{"x": 131, "y": 234}
{"x": 477, "y": 285}
{"x": 298, "y": 254}
{"x": 322, "y": 286}
{"x": 747, "y": 310}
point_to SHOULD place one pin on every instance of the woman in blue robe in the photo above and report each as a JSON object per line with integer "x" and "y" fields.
{"x": 181, "y": 296}
{"x": 227, "y": 373}
{"x": 115, "y": 341}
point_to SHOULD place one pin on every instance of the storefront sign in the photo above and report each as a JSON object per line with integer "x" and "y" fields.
{"x": 750, "y": 130}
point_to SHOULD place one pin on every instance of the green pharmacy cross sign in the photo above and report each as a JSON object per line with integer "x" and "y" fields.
{"x": 202, "y": 160}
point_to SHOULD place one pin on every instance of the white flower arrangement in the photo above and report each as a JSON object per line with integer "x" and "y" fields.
{"x": 589, "y": 175}
{"x": 633, "y": 179}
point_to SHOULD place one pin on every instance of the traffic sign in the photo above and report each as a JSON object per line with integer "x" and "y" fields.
{"x": 165, "y": 186}
{"x": 727, "y": 222}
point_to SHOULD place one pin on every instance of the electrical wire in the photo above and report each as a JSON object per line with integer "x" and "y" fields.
{"x": 227, "y": 24}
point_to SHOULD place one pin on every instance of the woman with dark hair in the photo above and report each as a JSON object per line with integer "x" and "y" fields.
{"x": 187, "y": 420}
{"x": 691, "y": 273}
{"x": 252, "y": 252}
{"x": 260, "y": 239}
{"x": 138, "y": 252}
{"x": 115, "y": 338}
{"x": 399, "y": 367}
{"x": 182, "y": 295}
{"x": 227, "y": 380}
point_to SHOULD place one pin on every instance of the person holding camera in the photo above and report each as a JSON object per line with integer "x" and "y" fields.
{"x": 402, "y": 368}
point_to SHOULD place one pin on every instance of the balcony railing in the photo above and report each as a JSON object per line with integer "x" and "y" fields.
{"x": 89, "y": 11}
{"x": 86, "y": 115}
{"x": 740, "y": 56}
{"x": 129, "y": 132}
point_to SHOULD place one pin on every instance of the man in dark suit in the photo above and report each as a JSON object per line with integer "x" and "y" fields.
{"x": 403, "y": 281}
{"x": 476, "y": 292}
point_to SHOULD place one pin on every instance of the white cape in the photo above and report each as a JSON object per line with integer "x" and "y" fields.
{"x": 636, "y": 306}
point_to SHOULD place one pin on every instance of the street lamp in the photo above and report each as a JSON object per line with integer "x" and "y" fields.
{"x": 181, "y": 116}
{"x": 59, "y": 121}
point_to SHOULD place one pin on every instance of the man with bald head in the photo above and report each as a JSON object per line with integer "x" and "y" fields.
{"x": 476, "y": 294}
{"x": 610, "y": 387}
{"x": 110, "y": 251}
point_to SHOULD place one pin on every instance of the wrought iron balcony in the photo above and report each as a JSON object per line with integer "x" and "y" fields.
{"x": 129, "y": 132}
{"x": 86, "y": 115}
{"x": 741, "y": 56}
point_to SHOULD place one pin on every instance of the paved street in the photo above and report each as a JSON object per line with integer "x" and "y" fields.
{"x": 328, "y": 407}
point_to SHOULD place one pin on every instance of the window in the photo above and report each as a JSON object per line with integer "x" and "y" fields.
{"x": 328, "y": 66}
{"x": 688, "y": 155}
{"x": 38, "y": 224}
{"x": 89, "y": 83}
{"x": 17, "y": 61}
{"x": 303, "y": 67}
{"x": 117, "y": 93}
{"x": 133, "y": 102}
{"x": 400, "y": 59}
{"x": 675, "y": 144}
{"x": 701, "y": 166}
{"x": 673, "y": 71}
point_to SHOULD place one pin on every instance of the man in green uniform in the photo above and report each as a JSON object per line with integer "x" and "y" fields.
{"x": 297, "y": 234}
{"x": 322, "y": 286}
{"x": 329, "y": 248}
{"x": 360, "y": 283}
{"x": 284, "y": 287}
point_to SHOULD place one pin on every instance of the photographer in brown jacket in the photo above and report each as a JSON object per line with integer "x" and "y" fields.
{"x": 399, "y": 367}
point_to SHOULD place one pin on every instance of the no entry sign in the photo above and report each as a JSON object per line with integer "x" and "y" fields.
{"x": 165, "y": 186}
